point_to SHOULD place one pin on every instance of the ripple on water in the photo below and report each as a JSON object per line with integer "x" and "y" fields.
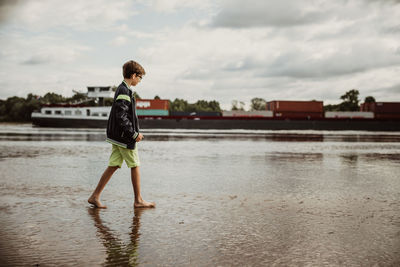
{"x": 222, "y": 202}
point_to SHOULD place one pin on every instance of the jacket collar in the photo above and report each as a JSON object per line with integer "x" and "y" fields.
{"x": 127, "y": 86}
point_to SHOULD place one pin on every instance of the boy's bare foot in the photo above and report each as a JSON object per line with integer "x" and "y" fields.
{"x": 94, "y": 201}
{"x": 144, "y": 204}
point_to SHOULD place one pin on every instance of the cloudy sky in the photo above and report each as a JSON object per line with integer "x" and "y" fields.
{"x": 202, "y": 49}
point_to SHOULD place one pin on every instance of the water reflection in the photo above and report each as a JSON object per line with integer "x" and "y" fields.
{"x": 350, "y": 159}
{"x": 294, "y": 157}
{"x": 373, "y": 157}
{"x": 51, "y": 137}
{"x": 21, "y": 133}
{"x": 228, "y": 202}
{"x": 118, "y": 253}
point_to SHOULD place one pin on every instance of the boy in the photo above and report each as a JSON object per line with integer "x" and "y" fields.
{"x": 123, "y": 134}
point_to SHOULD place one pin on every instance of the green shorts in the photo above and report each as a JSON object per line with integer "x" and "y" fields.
{"x": 119, "y": 154}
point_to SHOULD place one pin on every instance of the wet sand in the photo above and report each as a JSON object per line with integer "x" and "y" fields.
{"x": 223, "y": 199}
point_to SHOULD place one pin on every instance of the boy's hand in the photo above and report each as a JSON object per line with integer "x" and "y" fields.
{"x": 139, "y": 137}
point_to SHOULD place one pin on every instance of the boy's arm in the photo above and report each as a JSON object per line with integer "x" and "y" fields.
{"x": 122, "y": 108}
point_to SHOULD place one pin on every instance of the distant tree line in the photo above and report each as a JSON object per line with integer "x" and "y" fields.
{"x": 256, "y": 103}
{"x": 350, "y": 102}
{"x": 19, "y": 109}
{"x": 199, "y": 106}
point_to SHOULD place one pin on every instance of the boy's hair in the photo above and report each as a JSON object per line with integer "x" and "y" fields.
{"x": 132, "y": 67}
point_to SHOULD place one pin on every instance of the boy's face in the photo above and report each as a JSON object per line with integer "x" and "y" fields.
{"x": 136, "y": 78}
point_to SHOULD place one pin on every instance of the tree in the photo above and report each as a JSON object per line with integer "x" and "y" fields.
{"x": 200, "y": 105}
{"x": 14, "y": 109}
{"x": 178, "y": 105}
{"x": 236, "y": 105}
{"x": 258, "y": 104}
{"x": 350, "y": 101}
{"x": 77, "y": 97}
{"x": 331, "y": 107}
{"x": 52, "y": 98}
{"x": 214, "y": 106}
{"x": 3, "y": 111}
{"x": 157, "y": 97}
{"x": 31, "y": 104}
{"x": 203, "y": 105}
{"x": 369, "y": 99}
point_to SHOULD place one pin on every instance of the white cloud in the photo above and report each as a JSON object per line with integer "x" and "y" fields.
{"x": 169, "y": 6}
{"x": 312, "y": 61}
{"x": 304, "y": 50}
{"x": 79, "y": 15}
{"x": 118, "y": 41}
{"x": 270, "y": 13}
{"x": 19, "y": 49}
{"x": 290, "y": 13}
{"x": 37, "y": 63}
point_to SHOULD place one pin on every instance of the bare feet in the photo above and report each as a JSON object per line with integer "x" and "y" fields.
{"x": 94, "y": 201}
{"x": 144, "y": 204}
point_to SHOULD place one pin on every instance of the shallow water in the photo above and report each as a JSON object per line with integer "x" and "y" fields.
{"x": 223, "y": 198}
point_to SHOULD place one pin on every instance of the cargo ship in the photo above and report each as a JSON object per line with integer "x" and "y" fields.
{"x": 279, "y": 115}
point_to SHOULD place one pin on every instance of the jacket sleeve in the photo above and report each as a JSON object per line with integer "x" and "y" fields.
{"x": 122, "y": 108}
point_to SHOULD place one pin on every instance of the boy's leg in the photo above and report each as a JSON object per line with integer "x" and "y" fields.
{"x": 114, "y": 163}
{"x": 139, "y": 202}
{"x": 95, "y": 197}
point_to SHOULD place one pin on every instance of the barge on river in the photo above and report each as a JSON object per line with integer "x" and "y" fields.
{"x": 282, "y": 115}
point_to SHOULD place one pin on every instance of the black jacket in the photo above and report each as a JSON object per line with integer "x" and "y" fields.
{"x": 123, "y": 123}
